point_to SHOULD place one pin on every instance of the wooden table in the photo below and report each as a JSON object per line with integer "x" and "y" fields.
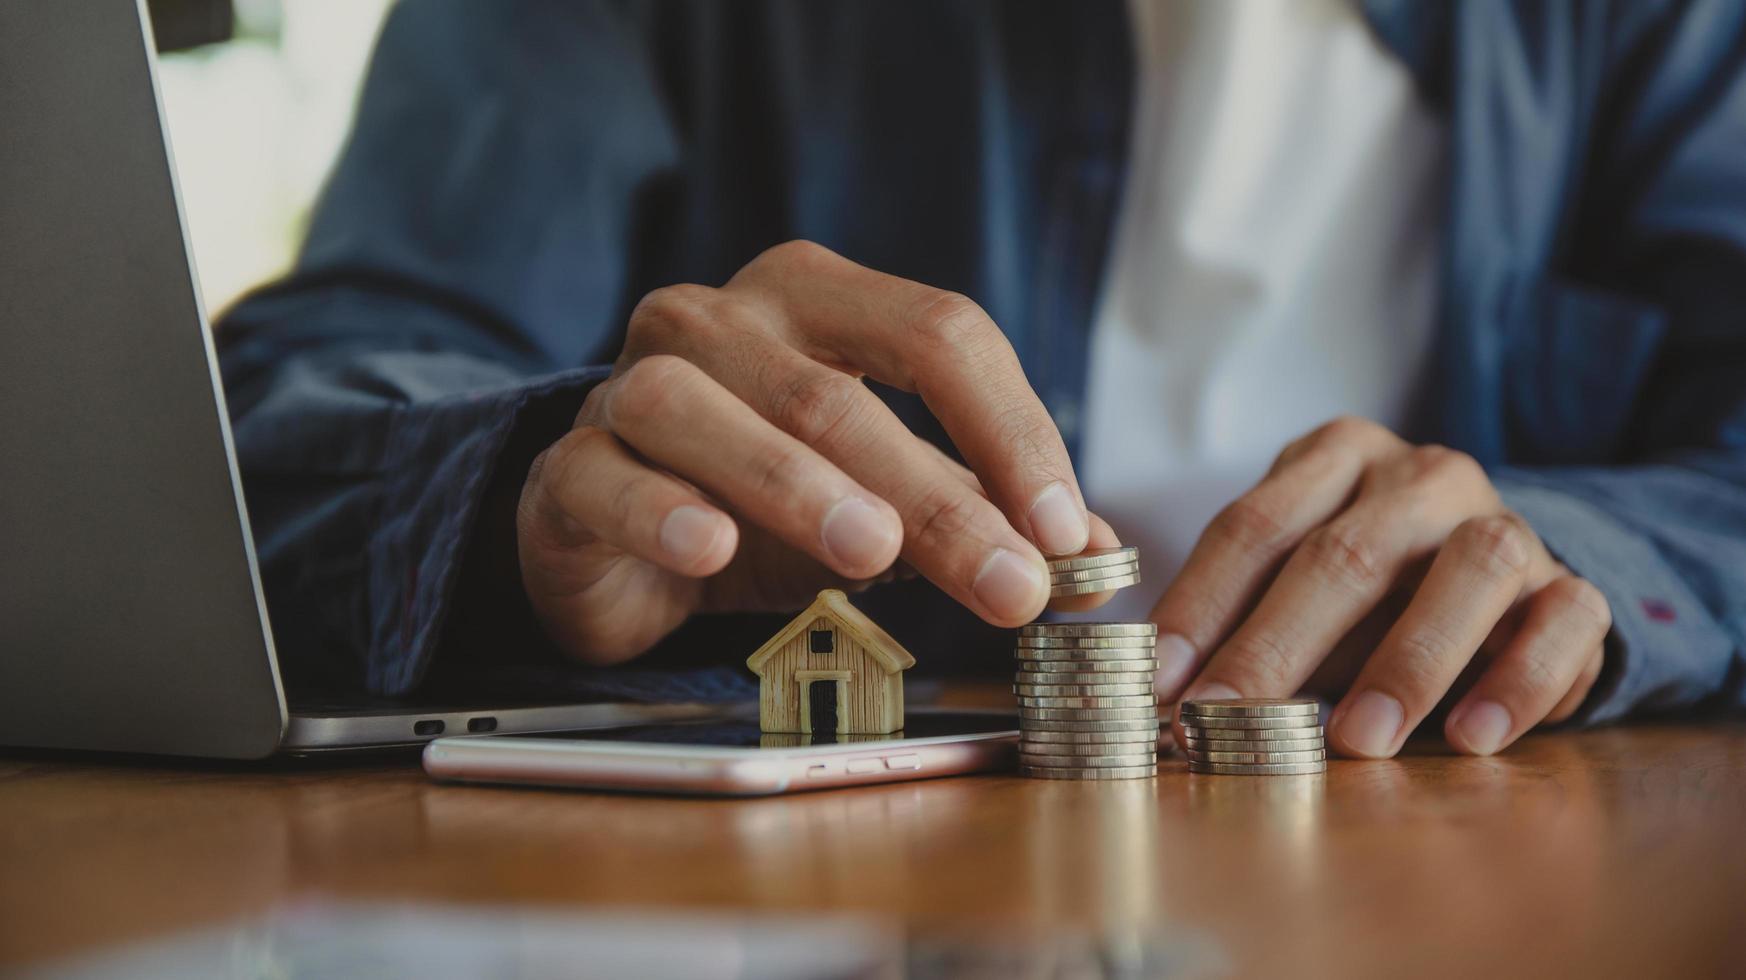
{"x": 1612, "y": 853}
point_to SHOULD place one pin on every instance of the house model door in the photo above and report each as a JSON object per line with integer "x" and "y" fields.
{"x": 825, "y": 701}
{"x": 823, "y": 697}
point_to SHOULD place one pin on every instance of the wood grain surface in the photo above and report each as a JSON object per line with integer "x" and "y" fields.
{"x": 1619, "y": 852}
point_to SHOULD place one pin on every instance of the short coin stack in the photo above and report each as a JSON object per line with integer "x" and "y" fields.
{"x": 1253, "y": 736}
{"x": 1086, "y": 708}
{"x": 1094, "y": 571}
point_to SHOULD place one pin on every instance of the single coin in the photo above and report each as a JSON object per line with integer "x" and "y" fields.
{"x": 1123, "y": 772}
{"x": 1028, "y": 746}
{"x": 1259, "y": 745}
{"x": 1143, "y": 700}
{"x": 1082, "y": 690}
{"x": 1087, "y": 679}
{"x": 1092, "y": 574}
{"x": 1039, "y": 737}
{"x": 1232, "y": 723}
{"x": 1090, "y": 726}
{"x": 1257, "y": 758}
{"x": 1249, "y": 708}
{"x": 1088, "y": 761}
{"x": 1058, "y": 591}
{"x": 1076, "y": 642}
{"x": 1281, "y": 769}
{"x": 1082, "y": 648}
{"x": 1202, "y": 733}
{"x": 1027, "y": 712}
{"x": 1087, "y": 630}
{"x": 1095, "y": 558}
{"x": 1069, "y": 668}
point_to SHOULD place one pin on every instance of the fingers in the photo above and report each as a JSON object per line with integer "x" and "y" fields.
{"x": 679, "y": 418}
{"x": 1242, "y": 547}
{"x": 945, "y": 347}
{"x": 591, "y": 488}
{"x": 952, "y": 533}
{"x": 1543, "y": 673}
{"x": 1475, "y": 579}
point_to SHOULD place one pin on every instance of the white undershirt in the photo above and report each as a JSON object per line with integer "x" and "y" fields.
{"x": 1275, "y": 261}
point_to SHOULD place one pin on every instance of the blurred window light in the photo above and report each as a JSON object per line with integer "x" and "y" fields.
{"x": 255, "y": 123}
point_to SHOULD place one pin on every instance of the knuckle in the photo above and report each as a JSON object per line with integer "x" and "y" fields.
{"x": 667, "y": 313}
{"x": 549, "y": 499}
{"x": 943, "y": 517}
{"x": 1497, "y": 544}
{"x": 814, "y": 407}
{"x": 944, "y": 320}
{"x": 1029, "y": 437}
{"x": 1345, "y": 430}
{"x": 1537, "y": 681}
{"x": 795, "y": 253}
{"x": 1261, "y": 663}
{"x": 649, "y": 388}
{"x": 1583, "y": 601}
{"x": 1347, "y": 555}
{"x": 781, "y": 475}
{"x": 565, "y": 460}
{"x": 1422, "y": 653}
{"x": 1248, "y": 524}
{"x": 1447, "y": 466}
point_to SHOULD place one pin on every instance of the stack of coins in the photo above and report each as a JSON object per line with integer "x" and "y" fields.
{"x": 1094, "y": 571}
{"x": 1253, "y": 736}
{"x": 1086, "y": 708}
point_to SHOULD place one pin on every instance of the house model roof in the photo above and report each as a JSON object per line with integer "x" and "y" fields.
{"x": 832, "y": 604}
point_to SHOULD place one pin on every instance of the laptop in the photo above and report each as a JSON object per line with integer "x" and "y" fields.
{"x": 131, "y": 611}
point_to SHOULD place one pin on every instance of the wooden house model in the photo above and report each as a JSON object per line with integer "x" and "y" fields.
{"x": 831, "y": 670}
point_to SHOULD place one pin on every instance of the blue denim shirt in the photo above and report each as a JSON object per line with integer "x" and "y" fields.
{"x": 522, "y": 172}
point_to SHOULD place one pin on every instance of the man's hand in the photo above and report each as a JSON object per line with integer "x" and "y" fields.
{"x": 1354, "y": 535}
{"x": 735, "y": 460}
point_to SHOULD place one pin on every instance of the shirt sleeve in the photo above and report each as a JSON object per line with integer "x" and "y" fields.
{"x": 461, "y": 288}
{"x": 1666, "y": 544}
{"x": 1663, "y": 231}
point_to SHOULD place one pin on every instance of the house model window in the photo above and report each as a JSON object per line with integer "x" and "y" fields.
{"x": 831, "y": 671}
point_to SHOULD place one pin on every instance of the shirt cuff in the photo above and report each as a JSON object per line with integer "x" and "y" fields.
{"x": 1664, "y": 650}
{"x": 442, "y": 456}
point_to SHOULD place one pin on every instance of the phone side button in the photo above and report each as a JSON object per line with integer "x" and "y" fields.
{"x": 817, "y": 772}
{"x": 903, "y": 762}
{"x": 859, "y": 767}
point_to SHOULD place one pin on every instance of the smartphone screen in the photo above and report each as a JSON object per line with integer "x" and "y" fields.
{"x": 745, "y": 733}
{"x": 729, "y": 757}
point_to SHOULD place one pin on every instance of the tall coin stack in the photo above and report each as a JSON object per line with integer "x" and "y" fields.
{"x": 1253, "y": 736}
{"x": 1086, "y": 707}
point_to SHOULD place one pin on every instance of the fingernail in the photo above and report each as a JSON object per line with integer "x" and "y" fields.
{"x": 688, "y": 532}
{"x": 858, "y": 537}
{"x": 1058, "y": 521}
{"x": 1211, "y": 692}
{"x": 1371, "y": 724}
{"x": 1010, "y": 587}
{"x": 1175, "y": 662}
{"x": 1483, "y": 726}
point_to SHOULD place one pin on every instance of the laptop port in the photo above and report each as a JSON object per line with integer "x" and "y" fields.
{"x": 485, "y": 724}
{"x": 427, "y": 727}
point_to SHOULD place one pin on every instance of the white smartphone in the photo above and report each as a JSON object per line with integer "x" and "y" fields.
{"x": 729, "y": 758}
